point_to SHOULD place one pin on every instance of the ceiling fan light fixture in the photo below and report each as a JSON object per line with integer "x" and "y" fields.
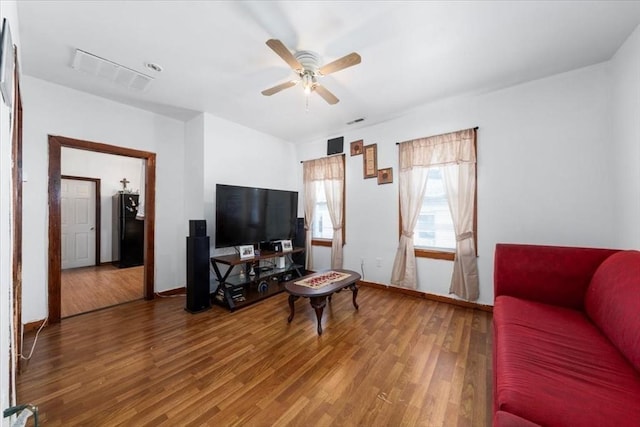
{"x": 307, "y": 83}
{"x": 305, "y": 64}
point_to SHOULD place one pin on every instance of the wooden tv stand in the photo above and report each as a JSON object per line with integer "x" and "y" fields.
{"x": 239, "y": 290}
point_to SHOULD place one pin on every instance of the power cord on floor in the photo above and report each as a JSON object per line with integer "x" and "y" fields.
{"x": 169, "y": 296}
{"x": 33, "y": 346}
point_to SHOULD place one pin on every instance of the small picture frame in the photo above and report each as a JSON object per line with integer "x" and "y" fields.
{"x": 370, "y": 161}
{"x": 246, "y": 251}
{"x": 286, "y": 246}
{"x": 356, "y": 147}
{"x": 385, "y": 176}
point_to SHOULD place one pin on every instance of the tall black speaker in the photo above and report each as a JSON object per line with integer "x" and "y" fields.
{"x": 299, "y": 242}
{"x": 198, "y": 294}
{"x": 197, "y": 227}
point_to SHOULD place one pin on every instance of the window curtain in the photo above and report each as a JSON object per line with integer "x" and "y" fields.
{"x": 412, "y": 183}
{"x": 333, "y": 191}
{"x": 460, "y": 183}
{"x": 457, "y": 152}
{"x": 309, "y": 205}
{"x": 329, "y": 171}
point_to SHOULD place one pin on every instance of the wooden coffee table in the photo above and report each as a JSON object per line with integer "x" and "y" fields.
{"x": 318, "y": 296}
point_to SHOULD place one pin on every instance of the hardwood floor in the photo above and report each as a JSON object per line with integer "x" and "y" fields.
{"x": 398, "y": 361}
{"x": 90, "y": 288}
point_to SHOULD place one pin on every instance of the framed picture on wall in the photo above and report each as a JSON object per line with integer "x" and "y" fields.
{"x": 246, "y": 251}
{"x": 356, "y": 147}
{"x": 370, "y": 161}
{"x": 385, "y": 176}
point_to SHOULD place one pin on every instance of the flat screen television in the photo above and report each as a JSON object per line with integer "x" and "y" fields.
{"x": 249, "y": 215}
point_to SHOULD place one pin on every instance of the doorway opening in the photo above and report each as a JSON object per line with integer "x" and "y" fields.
{"x": 89, "y": 280}
{"x": 55, "y": 215}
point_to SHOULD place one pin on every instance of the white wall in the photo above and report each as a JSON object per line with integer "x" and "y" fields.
{"x": 625, "y": 142}
{"x": 194, "y": 165}
{"x": 110, "y": 169}
{"x": 542, "y": 174}
{"x": 237, "y": 155}
{"x": 8, "y": 11}
{"x": 56, "y": 110}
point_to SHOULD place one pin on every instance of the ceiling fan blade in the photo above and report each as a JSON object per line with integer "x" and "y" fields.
{"x": 340, "y": 64}
{"x": 278, "y": 47}
{"x": 278, "y": 88}
{"x": 326, "y": 95}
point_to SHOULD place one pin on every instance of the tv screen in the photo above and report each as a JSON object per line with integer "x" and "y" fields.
{"x": 248, "y": 215}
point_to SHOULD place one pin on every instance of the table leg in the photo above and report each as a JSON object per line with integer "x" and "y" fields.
{"x": 354, "y": 290}
{"x": 292, "y": 309}
{"x": 318, "y": 304}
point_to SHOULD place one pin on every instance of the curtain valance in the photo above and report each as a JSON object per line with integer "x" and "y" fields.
{"x": 326, "y": 168}
{"x": 449, "y": 148}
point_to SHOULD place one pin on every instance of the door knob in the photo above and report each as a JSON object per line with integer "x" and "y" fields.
{"x": 91, "y": 228}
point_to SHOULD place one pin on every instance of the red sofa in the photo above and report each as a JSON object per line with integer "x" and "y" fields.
{"x": 566, "y": 336}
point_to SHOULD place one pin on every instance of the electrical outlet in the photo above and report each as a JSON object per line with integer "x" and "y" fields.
{"x": 378, "y": 262}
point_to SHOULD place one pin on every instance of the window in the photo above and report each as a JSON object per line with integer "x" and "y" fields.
{"x": 324, "y": 204}
{"x": 434, "y": 235}
{"x": 322, "y": 226}
{"x": 434, "y": 229}
{"x": 438, "y": 194}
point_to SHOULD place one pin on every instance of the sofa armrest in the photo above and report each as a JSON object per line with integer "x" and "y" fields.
{"x": 557, "y": 275}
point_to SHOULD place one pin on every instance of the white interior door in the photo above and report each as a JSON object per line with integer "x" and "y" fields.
{"x": 78, "y": 223}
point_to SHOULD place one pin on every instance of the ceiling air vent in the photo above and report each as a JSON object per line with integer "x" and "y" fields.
{"x": 109, "y": 70}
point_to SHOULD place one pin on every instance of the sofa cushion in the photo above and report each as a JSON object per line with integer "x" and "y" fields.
{"x": 555, "y": 368}
{"x": 612, "y": 301}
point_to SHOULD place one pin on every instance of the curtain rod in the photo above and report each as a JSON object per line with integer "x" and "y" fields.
{"x": 475, "y": 128}
{"x": 331, "y": 155}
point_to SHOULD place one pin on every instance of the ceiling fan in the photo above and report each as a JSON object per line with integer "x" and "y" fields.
{"x": 306, "y": 65}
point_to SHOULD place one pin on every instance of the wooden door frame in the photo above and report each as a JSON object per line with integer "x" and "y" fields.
{"x": 16, "y": 156}
{"x": 98, "y": 215}
{"x": 55, "y": 154}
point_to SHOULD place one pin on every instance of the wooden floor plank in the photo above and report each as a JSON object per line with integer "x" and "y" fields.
{"x": 398, "y": 360}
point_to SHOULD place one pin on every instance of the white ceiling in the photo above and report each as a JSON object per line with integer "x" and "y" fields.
{"x": 215, "y": 58}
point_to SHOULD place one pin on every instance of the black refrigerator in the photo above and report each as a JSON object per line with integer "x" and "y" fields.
{"x": 128, "y": 232}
